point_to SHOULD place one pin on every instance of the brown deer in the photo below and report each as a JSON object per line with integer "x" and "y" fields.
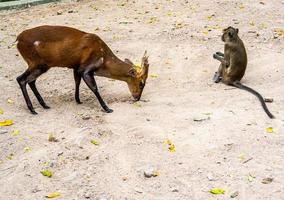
{"x": 44, "y": 47}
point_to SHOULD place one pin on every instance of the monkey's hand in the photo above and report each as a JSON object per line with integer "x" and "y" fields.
{"x": 215, "y": 56}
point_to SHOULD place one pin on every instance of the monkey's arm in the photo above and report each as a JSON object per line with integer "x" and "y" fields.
{"x": 221, "y": 59}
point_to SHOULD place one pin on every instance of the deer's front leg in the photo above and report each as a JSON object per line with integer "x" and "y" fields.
{"x": 89, "y": 79}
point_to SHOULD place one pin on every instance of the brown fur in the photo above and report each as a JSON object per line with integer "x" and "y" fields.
{"x": 44, "y": 47}
{"x": 233, "y": 64}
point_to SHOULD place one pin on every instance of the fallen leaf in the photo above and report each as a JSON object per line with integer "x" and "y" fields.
{"x": 171, "y": 146}
{"x": 46, "y": 173}
{"x": 27, "y": 149}
{"x": 153, "y": 75}
{"x": 153, "y": 20}
{"x": 53, "y": 195}
{"x": 278, "y": 33}
{"x": 242, "y": 156}
{"x": 205, "y": 32}
{"x": 51, "y": 138}
{"x": 267, "y": 180}
{"x": 95, "y": 142}
{"x": 241, "y": 6}
{"x": 156, "y": 173}
{"x": 6, "y": 122}
{"x": 251, "y": 23}
{"x": 10, "y": 101}
{"x": 15, "y": 132}
{"x": 10, "y": 156}
{"x": 250, "y": 177}
{"x": 269, "y": 130}
{"x": 1, "y": 111}
{"x": 217, "y": 191}
{"x": 137, "y": 104}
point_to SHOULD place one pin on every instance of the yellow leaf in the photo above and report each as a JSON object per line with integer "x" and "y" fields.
{"x": 278, "y": 32}
{"x": 167, "y": 141}
{"x": 1, "y": 111}
{"x": 205, "y": 32}
{"x": 171, "y": 146}
{"x": 6, "y": 122}
{"x": 269, "y": 130}
{"x": 241, "y": 6}
{"x": 170, "y": 13}
{"x": 27, "y": 149}
{"x": 10, "y": 101}
{"x": 251, "y": 23}
{"x": 10, "y": 156}
{"x": 209, "y": 17}
{"x": 46, "y": 173}
{"x": 156, "y": 173}
{"x": 153, "y": 75}
{"x": 15, "y": 132}
{"x": 242, "y": 156}
{"x": 137, "y": 104}
{"x": 217, "y": 191}
{"x": 153, "y": 20}
{"x": 51, "y": 138}
{"x": 95, "y": 142}
{"x": 53, "y": 195}
{"x": 250, "y": 177}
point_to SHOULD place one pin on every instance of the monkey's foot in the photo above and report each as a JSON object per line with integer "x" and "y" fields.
{"x": 220, "y": 53}
{"x": 217, "y": 78}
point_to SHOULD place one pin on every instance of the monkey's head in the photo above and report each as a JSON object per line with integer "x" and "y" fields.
{"x": 230, "y": 34}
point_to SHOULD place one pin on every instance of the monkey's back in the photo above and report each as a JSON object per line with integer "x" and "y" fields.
{"x": 238, "y": 62}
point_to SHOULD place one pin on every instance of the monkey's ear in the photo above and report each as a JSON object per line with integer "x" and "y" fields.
{"x": 237, "y": 30}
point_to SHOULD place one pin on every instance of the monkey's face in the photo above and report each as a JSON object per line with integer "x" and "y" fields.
{"x": 229, "y": 34}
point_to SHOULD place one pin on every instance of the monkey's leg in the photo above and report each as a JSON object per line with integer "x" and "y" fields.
{"x": 218, "y": 75}
{"x": 89, "y": 79}
{"x": 77, "y": 78}
{"x": 220, "y": 53}
{"x": 22, "y": 80}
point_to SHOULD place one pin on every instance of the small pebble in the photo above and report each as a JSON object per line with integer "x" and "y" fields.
{"x": 235, "y": 194}
{"x": 150, "y": 172}
{"x": 87, "y": 195}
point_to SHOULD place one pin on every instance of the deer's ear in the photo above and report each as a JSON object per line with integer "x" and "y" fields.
{"x": 132, "y": 72}
{"x": 128, "y": 61}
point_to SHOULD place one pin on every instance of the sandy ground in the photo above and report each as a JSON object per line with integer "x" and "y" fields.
{"x": 180, "y": 37}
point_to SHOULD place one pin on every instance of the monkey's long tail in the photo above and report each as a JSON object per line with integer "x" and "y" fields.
{"x": 243, "y": 87}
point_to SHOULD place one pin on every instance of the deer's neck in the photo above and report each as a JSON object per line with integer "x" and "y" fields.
{"x": 115, "y": 68}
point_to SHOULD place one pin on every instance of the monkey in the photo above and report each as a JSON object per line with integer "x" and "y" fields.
{"x": 233, "y": 64}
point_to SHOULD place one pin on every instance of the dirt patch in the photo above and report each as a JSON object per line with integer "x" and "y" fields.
{"x": 180, "y": 37}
